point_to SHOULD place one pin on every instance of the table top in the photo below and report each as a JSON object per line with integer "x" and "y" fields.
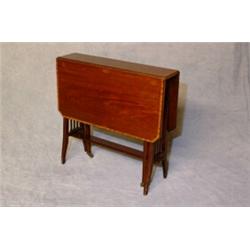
{"x": 141, "y": 69}
{"x": 128, "y": 98}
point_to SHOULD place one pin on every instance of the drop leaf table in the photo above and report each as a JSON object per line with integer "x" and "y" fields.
{"x": 136, "y": 100}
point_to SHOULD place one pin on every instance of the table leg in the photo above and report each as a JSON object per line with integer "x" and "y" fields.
{"x": 65, "y": 139}
{"x": 164, "y": 160}
{"x": 148, "y": 161}
{"x": 87, "y": 140}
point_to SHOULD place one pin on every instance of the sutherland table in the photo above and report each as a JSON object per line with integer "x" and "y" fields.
{"x": 132, "y": 99}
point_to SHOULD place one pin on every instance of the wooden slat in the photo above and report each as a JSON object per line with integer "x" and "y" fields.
{"x": 117, "y": 147}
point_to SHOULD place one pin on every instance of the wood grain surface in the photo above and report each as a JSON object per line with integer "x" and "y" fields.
{"x": 123, "y": 97}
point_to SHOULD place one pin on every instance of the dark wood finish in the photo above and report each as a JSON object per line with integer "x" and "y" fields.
{"x": 148, "y": 160}
{"x": 87, "y": 140}
{"x": 65, "y": 139}
{"x": 117, "y": 147}
{"x": 172, "y": 87}
{"x": 132, "y": 99}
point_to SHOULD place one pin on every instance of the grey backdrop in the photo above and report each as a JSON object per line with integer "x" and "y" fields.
{"x": 210, "y": 154}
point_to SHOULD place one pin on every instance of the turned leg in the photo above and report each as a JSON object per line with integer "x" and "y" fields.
{"x": 65, "y": 139}
{"x": 87, "y": 139}
{"x": 148, "y": 161}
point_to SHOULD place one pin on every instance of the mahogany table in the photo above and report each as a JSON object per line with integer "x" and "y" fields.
{"x": 135, "y": 100}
